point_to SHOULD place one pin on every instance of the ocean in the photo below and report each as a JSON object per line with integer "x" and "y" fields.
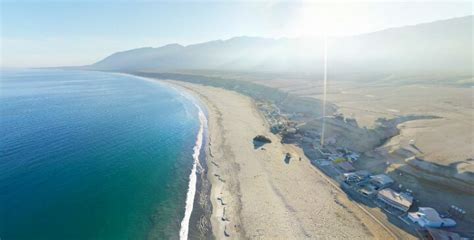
{"x": 93, "y": 155}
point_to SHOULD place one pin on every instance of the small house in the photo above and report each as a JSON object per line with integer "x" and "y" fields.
{"x": 355, "y": 177}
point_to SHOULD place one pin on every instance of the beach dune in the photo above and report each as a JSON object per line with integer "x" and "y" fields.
{"x": 256, "y": 194}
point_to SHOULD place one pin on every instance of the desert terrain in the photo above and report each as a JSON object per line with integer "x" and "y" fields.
{"x": 428, "y": 156}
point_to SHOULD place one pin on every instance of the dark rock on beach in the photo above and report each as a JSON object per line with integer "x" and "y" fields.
{"x": 260, "y": 140}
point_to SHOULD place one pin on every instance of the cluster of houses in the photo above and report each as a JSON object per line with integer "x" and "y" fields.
{"x": 375, "y": 187}
{"x": 379, "y": 187}
{"x": 272, "y": 115}
{"x": 344, "y": 159}
{"x": 279, "y": 122}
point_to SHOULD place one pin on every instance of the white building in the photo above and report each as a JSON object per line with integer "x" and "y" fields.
{"x": 429, "y": 217}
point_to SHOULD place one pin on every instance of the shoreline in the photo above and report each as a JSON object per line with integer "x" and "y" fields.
{"x": 191, "y": 194}
{"x": 195, "y": 222}
{"x": 196, "y": 219}
{"x": 230, "y": 216}
{"x": 202, "y": 194}
{"x": 215, "y": 186}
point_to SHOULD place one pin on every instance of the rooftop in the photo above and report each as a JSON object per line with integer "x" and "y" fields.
{"x": 346, "y": 166}
{"x": 429, "y": 214}
{"x": 402, "y": 199}
{"x": 382, "y": 179}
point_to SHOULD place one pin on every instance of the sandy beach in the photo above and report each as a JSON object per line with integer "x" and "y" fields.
{"x": 256, "y": 195}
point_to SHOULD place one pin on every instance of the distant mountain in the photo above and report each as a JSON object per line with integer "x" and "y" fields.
{"x": 438, "y": 47}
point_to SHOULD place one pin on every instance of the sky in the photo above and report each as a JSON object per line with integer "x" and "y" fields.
{"x": 46, "y": 33}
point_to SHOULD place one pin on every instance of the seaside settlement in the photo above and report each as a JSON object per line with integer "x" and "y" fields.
{"x": 345, "y": 157}
{"x": 369, "y": 189}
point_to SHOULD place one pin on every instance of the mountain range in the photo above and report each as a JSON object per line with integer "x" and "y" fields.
{"x": 438, "y": 47}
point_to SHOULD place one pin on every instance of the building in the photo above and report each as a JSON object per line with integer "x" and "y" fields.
{"x": 355, "y": 177}
{"x": 401, "y": 201}
{"x": 381, "y": 181}
{"x": 429, "y": 217}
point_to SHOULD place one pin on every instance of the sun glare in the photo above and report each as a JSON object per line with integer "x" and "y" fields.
{"x": 326, "y": 20}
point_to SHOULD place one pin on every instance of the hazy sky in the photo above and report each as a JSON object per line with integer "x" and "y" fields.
{"x": 53, "y": 33}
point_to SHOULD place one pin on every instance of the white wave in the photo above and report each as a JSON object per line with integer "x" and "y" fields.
{"x": 183, "y": 232}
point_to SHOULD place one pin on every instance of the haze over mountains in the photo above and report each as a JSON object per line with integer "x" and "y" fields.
{"x": 441, "y": 47}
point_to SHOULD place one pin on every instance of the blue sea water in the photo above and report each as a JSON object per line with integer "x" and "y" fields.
{"x": 91, "y": 155}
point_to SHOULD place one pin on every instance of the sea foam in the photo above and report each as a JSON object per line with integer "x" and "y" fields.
{"x": 183, "y": 233}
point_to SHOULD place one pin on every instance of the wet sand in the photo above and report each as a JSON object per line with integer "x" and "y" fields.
{"x": 256, "y": 195}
